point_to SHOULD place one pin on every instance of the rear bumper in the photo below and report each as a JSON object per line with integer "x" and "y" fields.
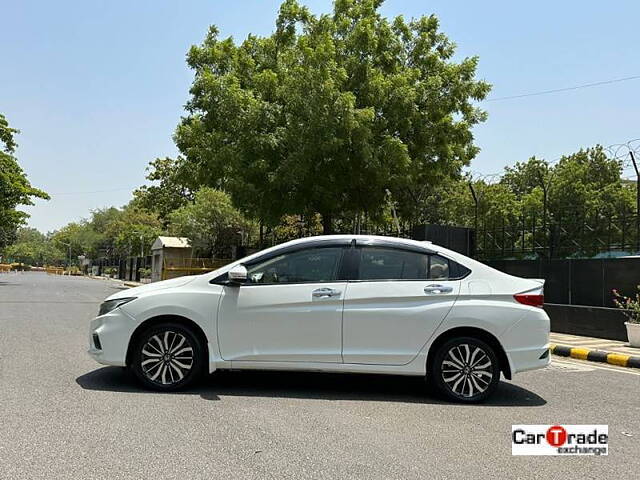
{"x": 522, "y": 360}
{"x": 526, "y": 343}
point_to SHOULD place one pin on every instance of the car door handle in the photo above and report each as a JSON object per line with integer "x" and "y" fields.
{"x": 325, "y": 292}
{"x": 436, "y": 289}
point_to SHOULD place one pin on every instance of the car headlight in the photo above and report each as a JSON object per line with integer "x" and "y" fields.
{"x": 111, "y": 305}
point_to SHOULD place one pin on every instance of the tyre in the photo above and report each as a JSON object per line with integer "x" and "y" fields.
{"x": 168, "y": 357}
{"x": 465, "y": 369}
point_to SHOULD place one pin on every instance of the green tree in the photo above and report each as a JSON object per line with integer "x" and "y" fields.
{"x": 132, "y": 231}
{"x": 211, "y": 222}
{"x": 579, "y": 205}
{"x": 329, "y": 112}
{"x": 29, "y": 234}
{"x": 33, "y": 248}
{"x": 173, "y": 187}
{"x": 77, "y": 238}
{"x": 15, "y": 189}
{"x": 128, "y": 231}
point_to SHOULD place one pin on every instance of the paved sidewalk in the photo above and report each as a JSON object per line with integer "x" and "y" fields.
{"x": 595, "y": 350}
{"x": 612, "y": 346}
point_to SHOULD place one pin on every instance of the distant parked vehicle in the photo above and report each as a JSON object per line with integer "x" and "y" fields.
{"x": 342, "y": 303}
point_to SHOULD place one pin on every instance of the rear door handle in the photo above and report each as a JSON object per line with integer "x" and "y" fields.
{"x": 325, "y": 292}
{"x": 436, "y": 289}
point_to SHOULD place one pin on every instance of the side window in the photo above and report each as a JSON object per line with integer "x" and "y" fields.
{"x": 438, "y": 268}
{"x": 392, "y": 264}
{"x": 304, "y": 266}
{"x": 396, "y": 264}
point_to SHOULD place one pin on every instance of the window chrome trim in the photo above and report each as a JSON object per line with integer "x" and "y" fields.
{"x": 343, "y": 243}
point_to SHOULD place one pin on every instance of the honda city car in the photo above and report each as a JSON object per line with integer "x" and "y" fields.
{"x": 336, "y": 303}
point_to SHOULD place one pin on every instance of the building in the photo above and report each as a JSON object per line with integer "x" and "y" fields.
{"x": 169, "y": 256}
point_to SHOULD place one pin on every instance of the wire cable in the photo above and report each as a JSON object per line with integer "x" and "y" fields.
{"x": 556, "y": 90}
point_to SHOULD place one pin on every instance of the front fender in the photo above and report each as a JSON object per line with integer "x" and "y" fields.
{"x": 195, "y": 304}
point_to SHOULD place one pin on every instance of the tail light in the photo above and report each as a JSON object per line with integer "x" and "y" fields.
{"x": 533, "y": 300}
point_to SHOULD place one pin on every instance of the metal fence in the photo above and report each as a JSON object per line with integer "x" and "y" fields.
{"x": 570, "y": 235}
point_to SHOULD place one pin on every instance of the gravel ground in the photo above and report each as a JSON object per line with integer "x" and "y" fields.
{"x": 64, "y": 416}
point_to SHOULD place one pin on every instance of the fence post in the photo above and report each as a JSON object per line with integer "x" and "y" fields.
{"x": 533, "y": 233}
{"x": 624, "y": 229}
{"x": 503, "y": 236}
{"x": 635, "y": 167}
{"x": 522, "y": 246}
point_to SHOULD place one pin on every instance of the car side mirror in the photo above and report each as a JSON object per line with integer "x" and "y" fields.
{"x": 238, "y": 274}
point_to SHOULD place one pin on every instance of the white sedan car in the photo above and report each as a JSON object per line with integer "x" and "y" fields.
{"x": 339, "y": 303}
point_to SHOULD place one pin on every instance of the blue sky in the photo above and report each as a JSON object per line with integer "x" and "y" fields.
{"x": 97, "y": 87}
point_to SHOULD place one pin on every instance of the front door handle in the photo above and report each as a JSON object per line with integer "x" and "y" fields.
{"x": 436, "y": 289}
{"x": 325, "y": 292}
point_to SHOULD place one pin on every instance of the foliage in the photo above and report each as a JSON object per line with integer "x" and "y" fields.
{"x": 131, "y": 231}
{"x": 295, "y": 226}
{"x": 325, "y": 115}
{"x": 77, "y": 238}
{"x": 33, "y": 248}
{"x": 630, "y": 306}
{"x": 110, "y": 271}
{"x": 144, "y": 272}
{"x": 211, "y": 222}
{"x": 575, "y": 204}
{"x": 172, "y": 190}
{"x": 15, "y": 189}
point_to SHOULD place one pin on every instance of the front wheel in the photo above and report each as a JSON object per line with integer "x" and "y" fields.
{"x": 168, "y": 357}
{"x": 465, "y": 369}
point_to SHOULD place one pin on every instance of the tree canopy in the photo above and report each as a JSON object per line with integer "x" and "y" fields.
{"x": 15, "y": 189}
{"x": 329, "y": 113}
{"x": 211, "y": 222}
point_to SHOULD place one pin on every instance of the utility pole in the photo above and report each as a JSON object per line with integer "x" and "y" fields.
{"x": 69, "y": 260}
{"x": 635, "y": 167}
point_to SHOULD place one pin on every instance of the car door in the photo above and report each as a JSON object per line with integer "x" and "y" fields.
{"x": 290, "y": 309}
{"x": 395, "y": 304}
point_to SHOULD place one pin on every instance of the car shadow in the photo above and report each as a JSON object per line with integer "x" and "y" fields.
{"x": 319, "y": 386}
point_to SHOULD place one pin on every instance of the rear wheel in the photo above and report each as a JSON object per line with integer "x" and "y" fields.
{"x": 167, "y": 357}
{"x": 465, "y": 369}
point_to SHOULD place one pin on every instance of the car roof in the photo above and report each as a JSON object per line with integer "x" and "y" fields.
{"x": 345, "y": 239}
{"x": 360, "y": 240}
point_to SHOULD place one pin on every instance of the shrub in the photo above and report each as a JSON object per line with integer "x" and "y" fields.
{"x": 630, "y": 306}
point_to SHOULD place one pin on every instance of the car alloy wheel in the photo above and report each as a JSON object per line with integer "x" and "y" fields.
{"x": 465, "y": 369}
{"x": 168, "y": 358}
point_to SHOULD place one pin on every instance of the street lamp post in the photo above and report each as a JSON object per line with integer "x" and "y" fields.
{"x": 69, "y": 259}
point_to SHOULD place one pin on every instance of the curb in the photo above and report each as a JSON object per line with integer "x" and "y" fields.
{"x": 601, "y": 356}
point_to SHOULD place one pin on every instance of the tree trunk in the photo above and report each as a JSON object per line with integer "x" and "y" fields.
{"x": 327, "y": 228}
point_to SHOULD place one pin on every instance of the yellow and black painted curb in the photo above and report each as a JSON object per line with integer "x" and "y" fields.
{"x": 601, "y": 356}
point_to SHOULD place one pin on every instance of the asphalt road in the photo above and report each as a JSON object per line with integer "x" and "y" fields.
{"x": 64, "y": 416}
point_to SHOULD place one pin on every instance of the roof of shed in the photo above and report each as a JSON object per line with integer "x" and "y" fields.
{"x": 171, "y": 242}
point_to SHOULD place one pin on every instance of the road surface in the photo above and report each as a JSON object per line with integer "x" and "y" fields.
{"x": 64, "y": 416}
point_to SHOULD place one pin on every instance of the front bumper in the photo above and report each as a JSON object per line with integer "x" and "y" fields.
{"x": 109, "y": 337}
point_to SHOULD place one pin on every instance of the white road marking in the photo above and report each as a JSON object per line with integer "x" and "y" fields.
{"x": 586, "y": 366}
